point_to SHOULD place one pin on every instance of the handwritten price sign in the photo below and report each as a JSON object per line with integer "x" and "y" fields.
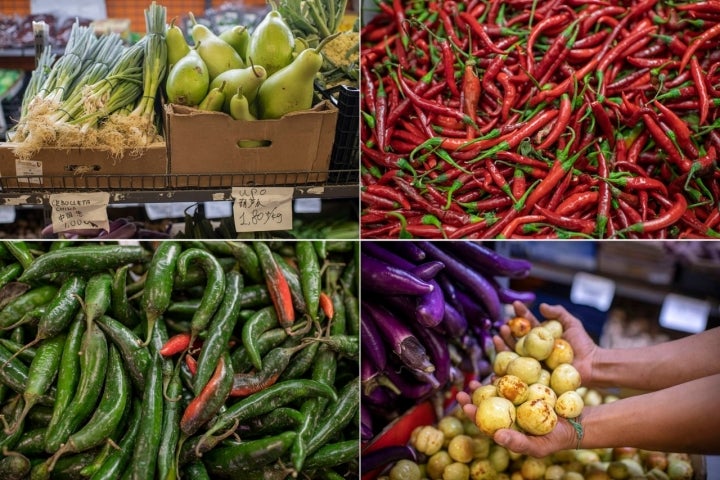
{"x": 262, "y": 208}
{"x": 77, "y": 211}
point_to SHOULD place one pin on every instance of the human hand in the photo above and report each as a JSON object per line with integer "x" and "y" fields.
{"x": 573, "y": 331}
{"x": 562, "y": 437}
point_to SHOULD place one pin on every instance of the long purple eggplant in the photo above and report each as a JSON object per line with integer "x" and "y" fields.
{"x": 380, "y": 251}
{"x": 366, "y": 423}
{"x": 373, "y": 347}
{"x": 428, "y": 270}
{"x": 407, "y": 250}
{"x": 450, "y": 291}
{"x": 472, "y": 280}
{"x": 508, "y": 295}
{"x": 430, "y": 308}
{"x": 381, "y": 277}
{"x": 400, "y": 338}
{"x": 489, "y": 261}
{"x": 437, "y": 348}
{"x": 411, "y": 388}
{"x": 454, "y": 323}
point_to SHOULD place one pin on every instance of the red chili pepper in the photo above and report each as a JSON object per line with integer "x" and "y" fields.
{"x": 561, "y": 123}
{"x": 671, "y": 216}
{"x": 706, "y": 36}
{"x": 516, "y": 222}
{"x": 178, "y": 343}
{"x": 388, "y": 192}
{"x": 703, "y": 97}
{"x": 191, "y": 363}
{"x": 197, "y": 409}
{"x": 681, "y": 129}
{"x": 478, "y": 30}
{"x": 326, "y": 305}
{"x": 577, "y": 202}
{"x": 509, "y": 97}
{"x": 664, "y": 142}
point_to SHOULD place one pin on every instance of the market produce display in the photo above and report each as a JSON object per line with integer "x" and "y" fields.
{"x": 260, "y": 74}
{"x": 540, "y": 120}
{"x": 428, "y": 314}
{"x": 98, "y": 93}
{"x": 459, "y": 451}
{"x": 179, "y": 360}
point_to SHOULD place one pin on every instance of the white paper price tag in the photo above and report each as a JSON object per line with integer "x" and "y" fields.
{"x": 7, "y": 214}
{"x": 29, "y": 171}
{"x": 159, "y": 211}
{"x": 308, "y": 205}
{"x": 683, "y": 313}
{"x": 592, "y": 290}
{"x": 218, "y": 209}
{"x": 262, "y": 209}
{"x": 73, "y": 211}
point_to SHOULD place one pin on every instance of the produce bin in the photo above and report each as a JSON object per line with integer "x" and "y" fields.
{"x": 206, "y": 143}
{"x": 81, "y": 168}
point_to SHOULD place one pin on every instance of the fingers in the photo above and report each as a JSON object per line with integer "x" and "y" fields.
{"x": 512, "y": 440}
{"x": 558, "y": 313}
{"x": 470, "y": 410}
{"x": 521, "y": 310}
{"x": 463, "y": 398}
{"x": 505, "y": 340}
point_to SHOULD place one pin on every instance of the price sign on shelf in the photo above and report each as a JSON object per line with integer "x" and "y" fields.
{"x": 262, "y": 209}
{"x": 74, "y": 211}
{"x": 683, "y": 313}
{"x": 592, "y": 290}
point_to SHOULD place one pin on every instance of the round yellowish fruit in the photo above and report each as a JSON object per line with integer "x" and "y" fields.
{"x": 554, "y": 326}
{"x": 526, "y": 368}
{"x": 536, "y": 417}
{"x": 481, "y": 393}
{"x": 542, "y": 392}
{"x": 569, "y": 404}
{"x": 519, "y": 326}
{"x": 564, "y": 378}
{"x": 493, "y": 414}
{"x": 501, "y": 361}
{"x": 538, "y": 343}
{"x": 544, "y": 377}
{"x": 562, "y": 352}
{"x": 512, "y": 388}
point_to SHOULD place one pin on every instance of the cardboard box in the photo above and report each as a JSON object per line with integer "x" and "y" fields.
{"x": 79, "y": 168}
{"x": 204, "y": 150}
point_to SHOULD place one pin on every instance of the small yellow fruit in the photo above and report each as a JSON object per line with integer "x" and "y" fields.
{"x": 564, "y": 378}
{"x": 493, "y": 414}
{"x": 539, "y": 343}
{"x": 569, "y": 404}
{"x": 481, "y": 393}
{"x": 526, "y": 368}
{"x": 501, "y": 361}
{"x": 562, "y": 352}
{"x": 512, "y": 388}
{"x": 519, "y": 326}
{"x": 536, "y": 417}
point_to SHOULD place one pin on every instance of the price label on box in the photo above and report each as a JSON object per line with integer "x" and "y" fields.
{"x": 262, "y": 209}
{"x": 76, "y": 211}
{"x": 592, "y": 290}
{"x": 683, "y": 313}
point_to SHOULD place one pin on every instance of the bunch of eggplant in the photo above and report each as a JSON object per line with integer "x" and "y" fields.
{"x": 429, "y": 310}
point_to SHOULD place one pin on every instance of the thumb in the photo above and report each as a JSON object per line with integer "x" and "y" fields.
{"x": 511, "y": 439}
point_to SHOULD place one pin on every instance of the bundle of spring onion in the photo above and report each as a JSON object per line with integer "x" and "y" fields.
{"x": 98, "y": 94}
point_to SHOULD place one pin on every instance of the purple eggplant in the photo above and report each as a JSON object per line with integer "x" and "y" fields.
{"x": 366, "y": 423}
{"x": 385, "y": 456}
{"x": 129, "y": 230}
{"x": 450, "y": 291}
{"x": 373, "y": 347}
{"x": 381, "y": 277}
{"x": 480, "y": 287}
{"x": 430, "y": 308}
{"x": 508, "y": 295}
{"x": 454, "y": 323}
{"x": 381, "y": 397}
{"x": 481, "y": 257}
{"x": 474, "y": 312}
{"x": 437, "y": 348}
{"x": 402, "y": 341}
{"x": 411, "y": 388}
{"x": 380, "y": 251}
{"x": 428, "y": 270}
{"x": 408, "y": 250}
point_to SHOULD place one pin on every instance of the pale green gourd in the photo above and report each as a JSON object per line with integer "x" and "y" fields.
{"x": 248, "y": 79}
{"x": 272, "y": 43}
{"x": 188, "y": 80}
{"x": 218, "y": 55}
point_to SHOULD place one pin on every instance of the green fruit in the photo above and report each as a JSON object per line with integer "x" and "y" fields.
{"x": 271, "y": 43}
{"x": 247, "y": 79}
{"x": 218, "y": 55}
{"x": 240, "y": 108}
{"x": 214, "y": 100}
{"x": 177, "y": 47}
{"x": 237, "y": 37}
{"x": 291, "y": 88}
{"x": 188, "y": 80}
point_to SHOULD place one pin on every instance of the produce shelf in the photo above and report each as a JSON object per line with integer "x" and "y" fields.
{"x": 31, "y": 190}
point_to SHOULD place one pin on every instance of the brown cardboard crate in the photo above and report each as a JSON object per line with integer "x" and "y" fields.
{"x": 80, "y": 168}
{"x": 204, "y": 152}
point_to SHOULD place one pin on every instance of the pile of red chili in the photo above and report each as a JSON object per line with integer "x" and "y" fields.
{"x": 529, "y": 119}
